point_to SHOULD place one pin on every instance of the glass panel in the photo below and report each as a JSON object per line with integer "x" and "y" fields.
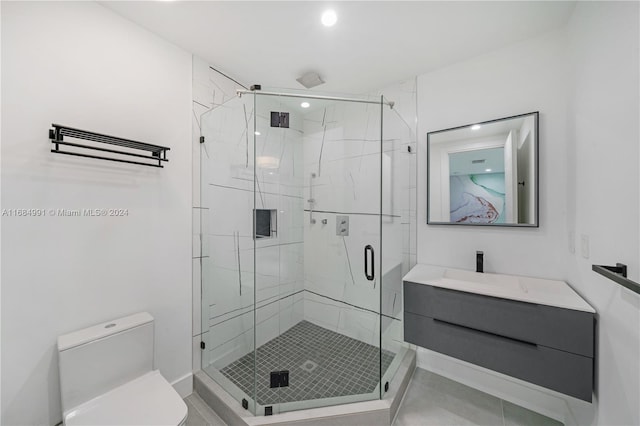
{"x": 398, "y": 186}
{"x": 278, "y": 262}
{"x": 227, "y": 247}
{"x": 318, "y": 165}
{"x": 299, "y": 199}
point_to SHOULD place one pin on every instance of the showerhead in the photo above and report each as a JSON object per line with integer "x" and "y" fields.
{"x": 310, "y": 79}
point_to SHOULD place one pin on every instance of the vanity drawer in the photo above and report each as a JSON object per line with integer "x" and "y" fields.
{"x": 561, "y": 371}
{"x": 565, "y": 329}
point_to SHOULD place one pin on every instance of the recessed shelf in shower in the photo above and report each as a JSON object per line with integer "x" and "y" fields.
{"x": 266, "y": 223}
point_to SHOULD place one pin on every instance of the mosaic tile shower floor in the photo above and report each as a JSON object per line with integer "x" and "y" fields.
{"x": 321, "y": 364}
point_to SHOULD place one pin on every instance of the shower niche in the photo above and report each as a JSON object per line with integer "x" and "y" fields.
{"x": 266, "y": 223}
{"x": 283, "y": 288}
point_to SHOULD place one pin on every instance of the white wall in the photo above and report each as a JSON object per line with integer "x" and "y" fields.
{"x": 584, "y": 81}
{"x": 81, "y": 65}
{"x": 604, "y": 111}
{"x": 525, "y": 77}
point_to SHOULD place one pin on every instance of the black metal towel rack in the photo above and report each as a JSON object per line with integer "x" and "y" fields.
{"x": 59, "y": 132}
{"x": 618, "y": 274}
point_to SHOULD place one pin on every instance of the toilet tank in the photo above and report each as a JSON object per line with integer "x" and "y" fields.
{"x": 97, "y": 359}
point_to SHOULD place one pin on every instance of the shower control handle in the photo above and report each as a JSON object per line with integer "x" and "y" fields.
{"x": 311, "y": 200}
{"x": 369, "y": 255}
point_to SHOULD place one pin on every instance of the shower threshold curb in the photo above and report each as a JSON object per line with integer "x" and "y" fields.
{"x": 375, "y": 412}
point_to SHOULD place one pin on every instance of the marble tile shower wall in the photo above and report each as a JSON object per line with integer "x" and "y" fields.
{"x": 404, "y": 121}
{"x": 227, "y": 240}
{"x": 341, "y": 147}
{"x": 210, "y": 90}
{"x": 301, "y": 256}
{"x": 399, "y": 233}
{"x": 227, "y": 201}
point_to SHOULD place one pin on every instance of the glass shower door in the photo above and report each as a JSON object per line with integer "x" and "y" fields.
{"x": 317, "y": 201}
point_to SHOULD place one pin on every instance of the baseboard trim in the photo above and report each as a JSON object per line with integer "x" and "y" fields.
{"x": 184, "y": 385}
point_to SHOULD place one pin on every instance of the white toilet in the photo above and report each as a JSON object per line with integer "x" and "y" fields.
{"x": 107, "y": 377}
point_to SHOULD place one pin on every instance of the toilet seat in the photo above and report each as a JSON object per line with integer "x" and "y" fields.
{"x": 147, "y": 400}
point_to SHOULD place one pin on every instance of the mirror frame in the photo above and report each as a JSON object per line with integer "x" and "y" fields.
{"x": 536, "y": 223}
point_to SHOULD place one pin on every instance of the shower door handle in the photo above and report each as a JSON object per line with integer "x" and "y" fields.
{"x": 369, "y": 254}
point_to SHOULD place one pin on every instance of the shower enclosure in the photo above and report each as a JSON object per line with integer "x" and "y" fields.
{"x": 305, "y": 202}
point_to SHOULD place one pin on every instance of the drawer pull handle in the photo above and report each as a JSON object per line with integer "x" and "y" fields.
{"x": 524, "y": 342}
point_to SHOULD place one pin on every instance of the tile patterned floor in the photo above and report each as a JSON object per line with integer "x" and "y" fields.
{"x": 321, "y": 364}
{"x": 435, "y": 400}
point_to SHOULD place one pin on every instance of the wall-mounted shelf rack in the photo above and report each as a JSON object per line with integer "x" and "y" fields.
{"x": 158, "y": 154}
{"x": 618, "y": 274}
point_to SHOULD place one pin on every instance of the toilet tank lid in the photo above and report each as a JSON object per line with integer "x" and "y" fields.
{"x": 99, "y": 331}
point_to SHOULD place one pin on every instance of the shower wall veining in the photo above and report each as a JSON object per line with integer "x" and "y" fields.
{"x": 227, "y": 176}
{"x": 306, "y": 271}
{"x": 342, "y": 149}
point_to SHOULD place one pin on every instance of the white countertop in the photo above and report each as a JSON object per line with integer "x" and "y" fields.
{"x": 524, "y": 289}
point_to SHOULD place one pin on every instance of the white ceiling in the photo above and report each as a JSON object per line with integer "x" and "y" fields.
{"x": 374, "y": 43}
{"x": 500, "y": 127}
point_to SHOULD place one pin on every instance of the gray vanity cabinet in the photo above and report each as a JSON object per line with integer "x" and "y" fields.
{"x": 549, "y": 346}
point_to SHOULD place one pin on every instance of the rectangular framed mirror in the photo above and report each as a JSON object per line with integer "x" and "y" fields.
{"x": 484, "y": 173}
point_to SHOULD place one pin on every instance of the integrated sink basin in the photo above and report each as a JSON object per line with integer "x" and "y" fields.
{"x": 458, "y": 277}
{"x": 524, "y": 289}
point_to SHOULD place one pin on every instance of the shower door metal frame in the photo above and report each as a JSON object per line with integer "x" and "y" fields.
{"x": 241, "y": 92}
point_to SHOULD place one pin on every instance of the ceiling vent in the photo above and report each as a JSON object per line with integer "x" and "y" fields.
{"x": 310, "y": 79}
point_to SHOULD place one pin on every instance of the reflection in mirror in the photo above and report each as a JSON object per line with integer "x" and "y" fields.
{"x": 484, "y": 173}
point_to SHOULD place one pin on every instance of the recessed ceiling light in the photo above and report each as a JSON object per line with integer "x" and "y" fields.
{"x": 475, "y": 127}
{"x": 487, "y": 170}
{"x": 257, "y": 133}
{"x": 329, "y": 18}
{"x": 305, "y": 105}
